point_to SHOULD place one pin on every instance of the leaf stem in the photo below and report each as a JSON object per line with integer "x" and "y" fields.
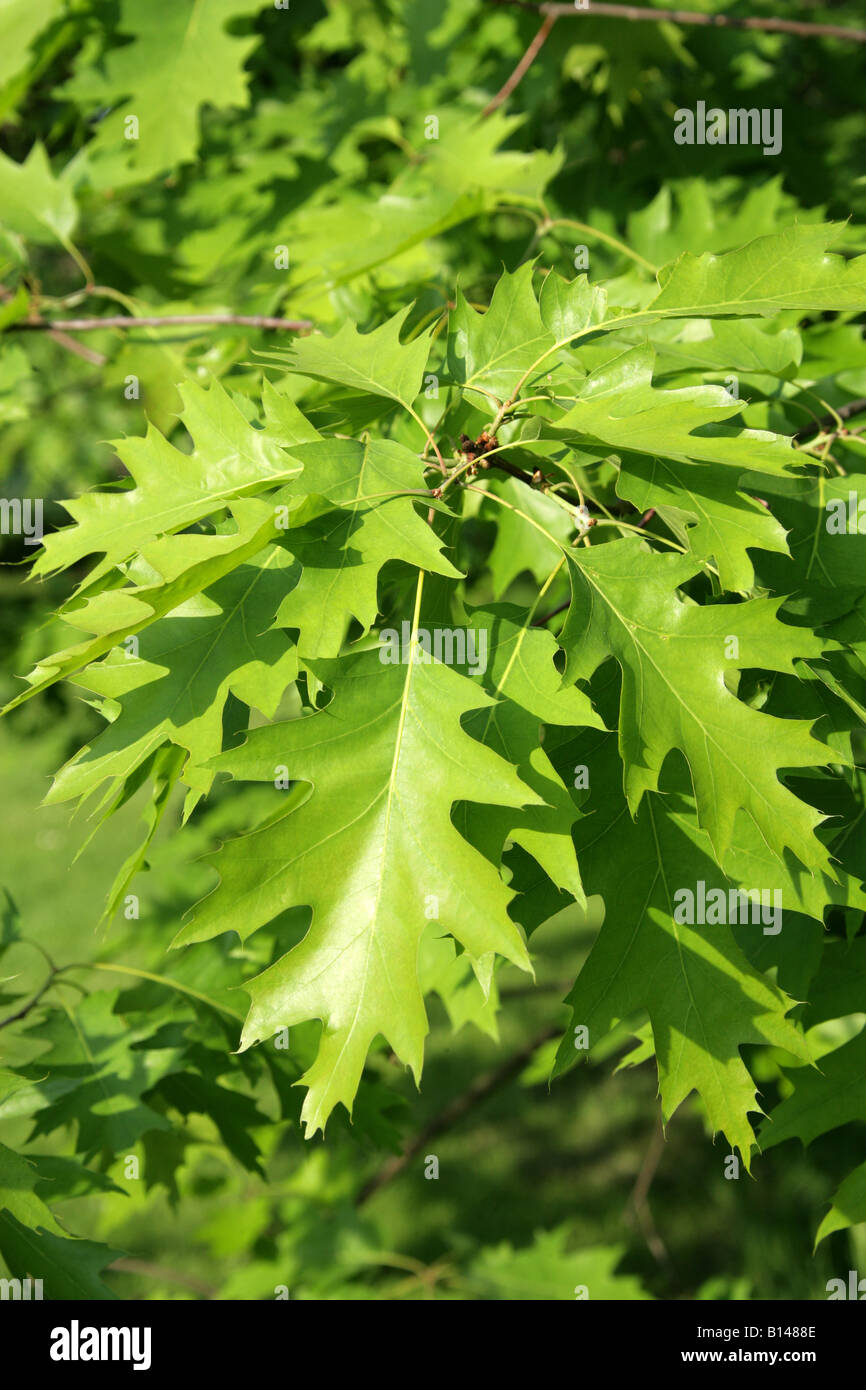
{"x": 157, "y": 980}
{"x": 599, "y": 235}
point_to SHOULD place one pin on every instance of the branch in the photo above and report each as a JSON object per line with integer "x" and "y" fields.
{"x": 638, "y": 1199}
{"x": 89, "y": 355}
{"x": 522, "y": 67}
{"x": 598, "y": 9}
{"x": 455, "y": 1111}
{"x": 31, "y": 1003}
{"x": 546, "y": 617}
{"x": 503, "y": 466}
{"x": 98, "y": 359}
{"x": 162, "y": 321}
{"x": 828, "y": 421}
{"x": 169, "y": 1276}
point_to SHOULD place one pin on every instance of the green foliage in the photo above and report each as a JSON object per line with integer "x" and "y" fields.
{"x": 492, "y": 613}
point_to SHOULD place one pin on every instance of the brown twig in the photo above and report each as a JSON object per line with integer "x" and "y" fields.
{"x": 163, "y": 321}
{"x": 560, "y": 608}
{"x": 169, "y": 1276}
{"x": 640, "y": 1192}
{"x": 455, "y": 1111}
{"x": 599, "y": 9}
{"x": 31, "y": 1003}
{"x": 522, "y": 67}
{"x": 534, "y": 988}
{"x": 503, "y": 466}
{"x": 89, "y": 354}
{"x": 97, "y": 359}
{"x": 828, "y": 421}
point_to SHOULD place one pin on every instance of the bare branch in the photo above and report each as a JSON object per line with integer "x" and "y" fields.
{"x": 828, "y": 421}
{"x": 546, "y": 617}
{"x": 456, "y": 1110}
{"x": 522, "y": 67}
{"x": 600, "y": 9}
{"x": 163, "y": 321}
{"x": 98, "y": 359}
{"x": 168, "y": 1276}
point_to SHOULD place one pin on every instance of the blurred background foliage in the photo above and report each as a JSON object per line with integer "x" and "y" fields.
{"x": 306, "y": 127}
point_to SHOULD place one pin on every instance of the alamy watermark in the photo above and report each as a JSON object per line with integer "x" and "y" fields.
{"x": 735, "y": 907}
{"x": 22, "y": 516}
{"x": 21, "y": 1289}
{"x": 451, "y": 645}
{"x": 737, "y": 126}
{"x": 846, "y": 517}
{"x": 855, "y": 1287}
{"x": 77, "y": 1343}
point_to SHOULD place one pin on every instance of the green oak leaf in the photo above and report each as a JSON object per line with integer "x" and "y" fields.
{"x": 176, "y": 686}
{"x": 839, "y": 987}
{"x": 675, "y": 655}
{"x": 64, "y": 1177}
{"x": 20, "y": 23}
{"x": 790, "y": 269}
{"x": 489, "y": 353}
{"x": 445, "y": 971}
{"x": 699, "y": 215}
{"x": 98, "y": 1075}
{"x": 18, "y": 1181}
{"x": 848, "y": 1207}
{"x": 195, "y": 1089}
{"x": 550, "y": 1270}
{"x": 172, "y": 489}
{"x": 703, "y": 998}
{"x": 620, "y": 407}
{"x": 35, "y": 204}
{"x": 177, "y": 46}
{"x": 371, "y": 850}
{"x": 825, "y": 576}
{"x": 171, "y": 571}
{"x": 377, "y": 362}
{"x": 69, "y": 1268}
{"x": 754, "y": 350}
{"x": 520, "y": 547}
{"x": 464, "y": 158}
{"x": 708, "y": 511}
{"x": 524, "y": 682}
{"x": 33, "y": 1243}
{"x": 364, "y": 494}
{"x": 493, "y": 354}
{"x": 822, "y": 1099}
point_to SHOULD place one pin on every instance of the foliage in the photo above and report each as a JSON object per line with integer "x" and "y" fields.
{"x": 461, "y": 634}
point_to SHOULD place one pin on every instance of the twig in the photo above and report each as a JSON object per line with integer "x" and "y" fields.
{"x": 455, "y": 1111}
{"x": 97, "y": 359}
{"x": 169, "y": 1276}
{"x": 843, "y": 413}
{"x": 522, "y": 67}
{"x": 600, "y": 9}
{"x": 553, "y": 222}
{"x": 560, "y": 608}
{"x": 31, "y": 1003}
{"x": 533, "y": 989}
{"x": 486, "y": 461}
{"x": 163, "y": 321}
{"x": 89, "y": 354}
{"x": 640, "y": 1192}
